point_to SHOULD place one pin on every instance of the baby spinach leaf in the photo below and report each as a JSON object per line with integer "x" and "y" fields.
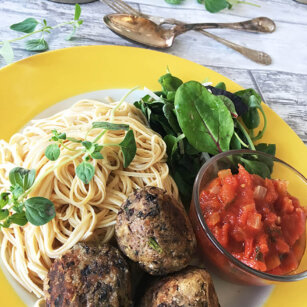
{"x": 221, "y": 86}
{"x": 110, "y": 126}
{"x": 240, "y": 106}
{"x": 203, "y": 118}
{"x": 267, "y": 148}
{"x": 230, "y": 106}
{"x": 39, "y": 210}
{"x": 85, "y": 171}
{"x": 256, "y": 167}
{"x": 169, "y": 113}
{"x": 172, "y": 144}
{"x": 128, "y": 147}
{"x": 169, "y": 85}
{"x": 26, "y": 26}
{"x": 22, "y": 178}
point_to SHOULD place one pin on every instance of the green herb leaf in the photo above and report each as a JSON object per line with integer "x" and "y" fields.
{"x": 214, "y": 6}
{"x": 39, "y": 210}
{"x": 173, "y": 1}
{"x": 170, "y": 115}
{"x": 110, "y": 126}
{"x": 77, "y": 11}
{"x": 52, "y": 152}
{"x": 4, "y": 214}
{"x": 21, "y": 177}
{"x": 256, "y": 167}
{"x": 97, "y": 155}
{"x": 7, "y": 52}
{"x": 85, "y": 171}
{"x": 16, "y": 191}
{"x": 154, "y": 245}
{"x": 89, "y": 146}
{"x": 37, "y": 45}
{"x": 19, "y": 218}
{"x": 7, "y": 223}
{"x": 203, "y": 118}
{"x": 72, "y": 33}
{"x": 128, "y": 147}
{"x": 4, "y": 199}
{"x": 74, "y": 140}
{"x": 267, "y": 148}
{"x": 26, "y": 26}
{"x": 58, "y": 136}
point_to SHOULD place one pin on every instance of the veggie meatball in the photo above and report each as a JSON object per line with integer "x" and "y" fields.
{"x": 89, "y": 275}
{"x": 154, "y": 230}
{"x": 192, "y": 287}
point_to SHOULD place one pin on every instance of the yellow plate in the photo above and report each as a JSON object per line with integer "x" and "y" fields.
{"x": 34, "y": 84}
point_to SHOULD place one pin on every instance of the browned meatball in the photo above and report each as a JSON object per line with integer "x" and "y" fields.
{"x": 89, "y": 275}
{"x": 192, "y": 287}
{"x": 153, "y": 229}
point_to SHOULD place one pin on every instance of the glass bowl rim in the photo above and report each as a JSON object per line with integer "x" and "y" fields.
{"x": 214, "y": 241}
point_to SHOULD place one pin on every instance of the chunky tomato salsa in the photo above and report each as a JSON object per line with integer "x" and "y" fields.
{"x": 256, "y": 220}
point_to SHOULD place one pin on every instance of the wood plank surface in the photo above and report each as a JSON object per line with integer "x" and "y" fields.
{"x": 283, "y": 85}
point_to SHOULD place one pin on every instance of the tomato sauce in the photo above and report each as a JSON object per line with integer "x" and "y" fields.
{"x": 256, "y": 220}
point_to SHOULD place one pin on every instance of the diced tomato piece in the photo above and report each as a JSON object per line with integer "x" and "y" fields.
{"x": 248, "y": 247}
{"x": 254, "y": 221}
{"x": 272, "y": 261}
{"x": 224, "y": 173}
{"x": 281, "y": 246}
{"x": 271, "y": 195}
{"x": 286, "y": 205}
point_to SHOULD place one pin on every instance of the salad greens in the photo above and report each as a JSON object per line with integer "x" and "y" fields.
{"x": 16, "y": 208}
{"x": 198, "y": 121}
{"x": 214, "y": 6}
{"x": 29, "y": 26}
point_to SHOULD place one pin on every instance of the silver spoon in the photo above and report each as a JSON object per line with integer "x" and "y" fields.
{"x": 146, "y": 32}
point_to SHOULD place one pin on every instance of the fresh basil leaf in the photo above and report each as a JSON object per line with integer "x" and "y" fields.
{"x": 37, "y": 45}
{"x": 74, "y": 140}
{"x": 85, "y": 171}
{"x": 4, "y": 199}
{"x": 7, "y": 52}
{"x": 89, "y": 146}
{"x": 52, "y": 152}
{"x": 97, "y": 155}
{"x": 4, "y": 214}
{"x": 110, "y": 126}
{"x": 221, "y": 86}
{"x": 203, "y": 118}
{"x": 39, "y": 210}
{"x": 230, "y": 106}
{"x": 128, "y": 147}
{"x": 62, "y": 136}
{"x": 19, "y": 218}
{"x": 169, "y": 85}
{"x": 26, "y": 26}
{"x": 214, "y": 6}
{"x": 21, "y": 177}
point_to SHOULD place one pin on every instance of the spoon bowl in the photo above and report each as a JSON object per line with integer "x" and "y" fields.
{"x": 140, "y": 30}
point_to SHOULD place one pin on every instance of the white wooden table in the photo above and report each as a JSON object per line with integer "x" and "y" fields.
{"x": 283, "y": 84}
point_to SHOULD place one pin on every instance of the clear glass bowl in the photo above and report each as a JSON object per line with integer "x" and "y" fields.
{"x": 215, "y": 256}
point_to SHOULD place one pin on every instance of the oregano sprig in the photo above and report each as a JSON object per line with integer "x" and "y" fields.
{"x": 91, "y": 150}
{"x": 31, "y": 26}
{"x": 15, "y": 209}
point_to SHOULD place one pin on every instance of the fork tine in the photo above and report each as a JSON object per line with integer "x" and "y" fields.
{"x": 127, "y": 7}
{"x": 113, "y": 6}
{"x": 120, "y": 7}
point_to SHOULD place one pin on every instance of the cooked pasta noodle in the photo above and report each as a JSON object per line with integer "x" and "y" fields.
{"x": 83, "y": 211}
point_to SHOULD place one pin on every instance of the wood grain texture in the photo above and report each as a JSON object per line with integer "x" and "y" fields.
{"x": 282, "y": 85}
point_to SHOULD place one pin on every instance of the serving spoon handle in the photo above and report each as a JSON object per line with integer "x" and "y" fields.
{"x": 254, "y": 55}
{"x": 259, "y": 24}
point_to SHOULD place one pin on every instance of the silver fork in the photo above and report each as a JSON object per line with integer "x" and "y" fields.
{"x": 120, "y": 6}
